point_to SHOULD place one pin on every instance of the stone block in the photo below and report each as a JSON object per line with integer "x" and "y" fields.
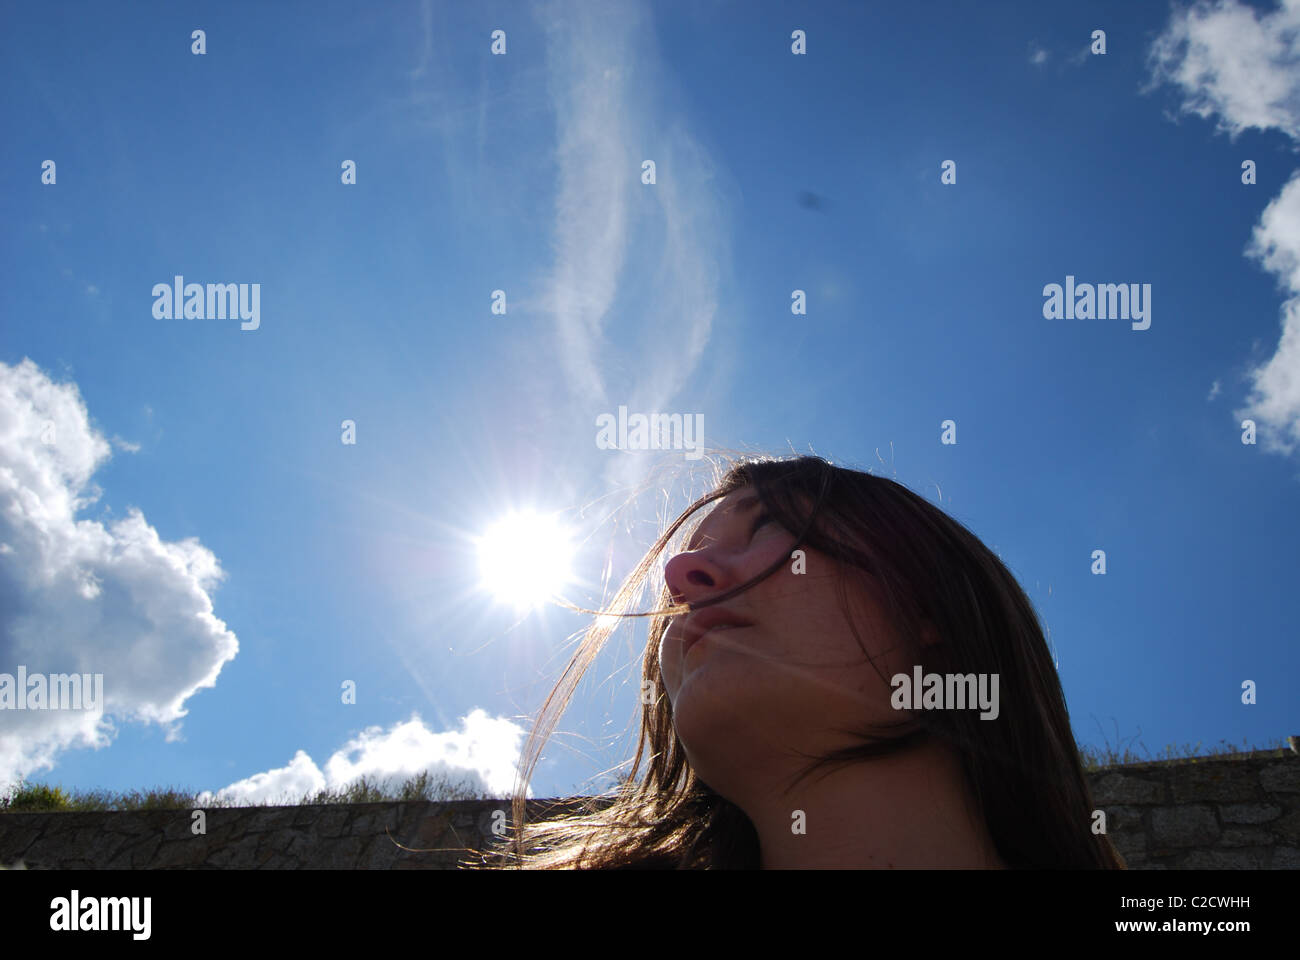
{"x": 137, "y": 852}
{"x": 1118, "y": 788}
{"x": 179, "y": 853}
{"x": 332, "y": 821}
{"x": 1189, "y": 825}
{"x": 1287, "y": 828}
{"x": 1122, "y": 817}
{"x": 1223, "y": 860}
{"x": 1245, "y": 837}
{"x": 1131, "y": 846}
{"x": 1249, "y": 812}
{"x": 340, "y": 854}
{"x": 1222, "y": 782}
{"x": 17, "y": 839}
{"x": 235, "y": 853}
{"x": 1286, "y": 858}
{"x": 1282, "y": 776}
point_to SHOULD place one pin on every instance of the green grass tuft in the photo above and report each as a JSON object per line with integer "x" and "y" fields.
{"x": 23, "y": 797}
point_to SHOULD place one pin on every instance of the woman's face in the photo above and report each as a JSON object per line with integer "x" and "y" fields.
{"x": 794, "y": 677}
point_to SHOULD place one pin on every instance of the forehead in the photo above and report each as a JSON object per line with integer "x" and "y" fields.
{"x": 736, "y": 502}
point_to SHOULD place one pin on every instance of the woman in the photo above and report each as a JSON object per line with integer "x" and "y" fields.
{"x": 779, "y": 728}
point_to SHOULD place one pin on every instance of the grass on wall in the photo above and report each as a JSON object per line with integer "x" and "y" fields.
{"x": 38, "y": 797}
{"x": 25, "y": 797}
{"x": 1124, "y": 755}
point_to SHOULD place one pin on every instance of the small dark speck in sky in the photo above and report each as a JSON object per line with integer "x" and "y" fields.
{"x": 811, "y": 201}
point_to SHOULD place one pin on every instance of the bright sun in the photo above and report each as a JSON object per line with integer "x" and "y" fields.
{"x": 525, "y": 559}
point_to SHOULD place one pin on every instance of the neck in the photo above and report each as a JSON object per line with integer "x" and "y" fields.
{"x": 903, "y": 812}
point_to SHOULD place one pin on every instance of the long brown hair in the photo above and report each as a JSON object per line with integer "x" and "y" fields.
{"x": 1023, "y": 769}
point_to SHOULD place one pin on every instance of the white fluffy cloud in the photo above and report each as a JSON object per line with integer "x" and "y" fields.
{"x": 1274, "y": 400}
{"x": 482, "y": 754}
{"x": 1244, "y": 69}
{"x": 77, "y": 596}
{"x": 1235, "y": 65}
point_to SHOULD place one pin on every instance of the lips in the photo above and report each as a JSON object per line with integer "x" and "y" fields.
{"x": 710, "y": 618}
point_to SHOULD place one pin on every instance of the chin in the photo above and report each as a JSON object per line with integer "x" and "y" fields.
{"x": 703, "y": 720}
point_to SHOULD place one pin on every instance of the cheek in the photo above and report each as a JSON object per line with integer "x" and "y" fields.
{"x": 668, "y": 668}
{"x": 803, "y": 606}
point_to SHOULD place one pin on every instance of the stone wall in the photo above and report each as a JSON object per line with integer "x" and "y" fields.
{"x": 1241, "y": 814}
{"x": 364, "y": 836}
{"x": 1175, "y": 815}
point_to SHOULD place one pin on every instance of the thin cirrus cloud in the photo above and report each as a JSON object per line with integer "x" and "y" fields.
{"x": 610, "y": 102}
{"x": 1244, "y": 70}
{"x": 616, "y": 106}
{"x": 85, "y": 596}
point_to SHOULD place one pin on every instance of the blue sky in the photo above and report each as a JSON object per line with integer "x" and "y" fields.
{"x": 199, "y": 532}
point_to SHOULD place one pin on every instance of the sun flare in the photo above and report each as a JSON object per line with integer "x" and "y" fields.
{"x": 525, "y": 559}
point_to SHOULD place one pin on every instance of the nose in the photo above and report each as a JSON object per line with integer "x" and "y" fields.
{"x": 694, "y": 576}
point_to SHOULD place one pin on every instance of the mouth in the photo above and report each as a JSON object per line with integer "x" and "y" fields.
{"x": 693, "y": 640}
{"x": 704, "y": 621}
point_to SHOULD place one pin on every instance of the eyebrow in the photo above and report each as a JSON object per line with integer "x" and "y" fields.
{"x": 741, "y": 505}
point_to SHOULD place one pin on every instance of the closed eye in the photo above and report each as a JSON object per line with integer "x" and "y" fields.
{"x": 762, "y": 520}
